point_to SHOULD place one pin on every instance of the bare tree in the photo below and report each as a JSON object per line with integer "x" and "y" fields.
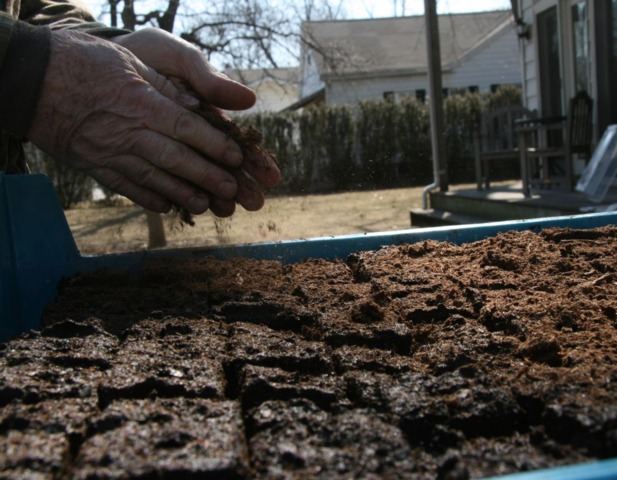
{"x": 165, "y": 20}
{"x": 240, "y": 34}
{"x": 402, "y": 11}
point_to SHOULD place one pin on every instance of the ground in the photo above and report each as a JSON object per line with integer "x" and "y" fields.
{"x": 422, "y": 361}
{"x": 123, "y": 228}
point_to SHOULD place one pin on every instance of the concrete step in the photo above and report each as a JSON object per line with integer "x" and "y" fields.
{"x": 503, "y": 203}
{"x": 433, "y": 217}
{"x": 495, "y": 206}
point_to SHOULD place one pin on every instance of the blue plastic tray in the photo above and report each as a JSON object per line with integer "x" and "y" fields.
{"x": 603, "y": 470}
{"x": 37, "y": 249}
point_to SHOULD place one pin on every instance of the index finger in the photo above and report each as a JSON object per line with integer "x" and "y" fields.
{"x": 214, "y": 86}
{"x": 171, "y": 119}
{"x": 262, "y": 167}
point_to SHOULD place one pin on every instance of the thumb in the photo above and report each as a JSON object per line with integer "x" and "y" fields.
{"x": 175, "y": 57}
{"x": 166, "y": 87}
{"x": 218, "y": 89}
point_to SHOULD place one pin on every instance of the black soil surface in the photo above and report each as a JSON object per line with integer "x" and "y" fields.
{"x": 419, "y": 361}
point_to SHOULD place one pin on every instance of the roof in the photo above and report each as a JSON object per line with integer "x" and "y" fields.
{"x": 382, "y": 45}
{"x": 256, "y": 76}
{"x": 316, "y": 97}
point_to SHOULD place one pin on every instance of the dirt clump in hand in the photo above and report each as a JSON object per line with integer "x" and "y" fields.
{"x": 258, "y": 171}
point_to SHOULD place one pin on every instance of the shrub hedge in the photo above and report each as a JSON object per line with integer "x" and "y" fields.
{"x": 329, "y": 148}
{"x": 376, "y": 143}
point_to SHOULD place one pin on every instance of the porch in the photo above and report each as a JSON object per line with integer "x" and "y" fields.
{"x": 504, "y": 202}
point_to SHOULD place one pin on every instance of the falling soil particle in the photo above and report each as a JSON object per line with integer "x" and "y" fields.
{"x": 423, "y": 361}
{"x": 256, "y": 161}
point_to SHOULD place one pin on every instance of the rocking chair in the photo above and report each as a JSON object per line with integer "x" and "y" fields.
{"x": 544, "y": 141}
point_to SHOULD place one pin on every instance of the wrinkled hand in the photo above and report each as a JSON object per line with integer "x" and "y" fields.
{"x": 189, "y": 70}
{"x": 183, "y": 63}
{"x": 105, "y": 112}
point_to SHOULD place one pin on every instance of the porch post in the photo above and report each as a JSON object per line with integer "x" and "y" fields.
{"x": 440, "y": 164}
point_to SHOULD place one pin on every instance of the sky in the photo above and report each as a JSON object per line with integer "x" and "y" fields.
{"x": 390, "y": 8}
{"x": 353, "y": 9}
{"x": 384, "y": 8}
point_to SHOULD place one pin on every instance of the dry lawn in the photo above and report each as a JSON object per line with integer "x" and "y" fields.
{"x": 123, "y": 228}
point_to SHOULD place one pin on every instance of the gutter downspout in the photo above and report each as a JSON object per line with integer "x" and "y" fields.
{"x": 440, "y": 169}
{"x": 425, "y": 191}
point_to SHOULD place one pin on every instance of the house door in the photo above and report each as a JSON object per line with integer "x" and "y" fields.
{"x": 605, "y": 25}
{"x": 549, "y": 63}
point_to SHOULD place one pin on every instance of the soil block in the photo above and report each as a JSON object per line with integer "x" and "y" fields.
{"x": 422, "y": 361}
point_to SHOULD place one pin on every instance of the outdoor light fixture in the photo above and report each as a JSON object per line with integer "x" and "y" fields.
{"x": 522, "y": 29}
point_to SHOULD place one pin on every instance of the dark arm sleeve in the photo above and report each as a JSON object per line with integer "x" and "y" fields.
{"x": 24, "y": 53}
{"x": 22, "y": 69}
{"x": 64, "y": 14}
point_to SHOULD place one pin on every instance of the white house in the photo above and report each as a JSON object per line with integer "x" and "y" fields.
{"x": 568, "y": 46}
{"x": 344, "y": 61}
{"x": 276, "y": 88}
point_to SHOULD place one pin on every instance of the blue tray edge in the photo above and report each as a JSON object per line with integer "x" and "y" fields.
{"x": 601, "y": 470}
{"x": 330, "y": 248}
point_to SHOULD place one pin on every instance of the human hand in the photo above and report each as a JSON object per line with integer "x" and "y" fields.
{"x": 105, "y": 112}
{"x": 190, "y": 71}
{"x": 187, "y": 67}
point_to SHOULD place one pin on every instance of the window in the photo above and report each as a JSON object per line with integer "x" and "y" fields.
{"x": 459, "y": 91}
{"x": 606, "y": 65}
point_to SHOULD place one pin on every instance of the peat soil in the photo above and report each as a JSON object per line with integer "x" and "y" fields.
{"x": 421, "y": 361}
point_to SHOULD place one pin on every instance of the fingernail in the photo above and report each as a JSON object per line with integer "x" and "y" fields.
{"x": 227, "y": 190}
{"x": 198, "y": 204}
{"x": 233, "y": 155}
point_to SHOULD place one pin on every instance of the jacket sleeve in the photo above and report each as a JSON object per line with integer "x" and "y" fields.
{"x": 64, "y": 14}
{"x": 24, "y": 53}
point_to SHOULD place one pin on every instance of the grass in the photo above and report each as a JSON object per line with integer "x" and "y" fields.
{"x": 123, "y": 228}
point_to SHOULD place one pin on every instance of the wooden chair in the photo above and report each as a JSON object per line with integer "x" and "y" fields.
{"x": 544, "y": 141}
{"x": 496, "y": 141}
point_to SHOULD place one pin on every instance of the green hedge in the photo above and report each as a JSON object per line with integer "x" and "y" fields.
{"x": 329, "y": 148}
{"x": 376, "y": 143}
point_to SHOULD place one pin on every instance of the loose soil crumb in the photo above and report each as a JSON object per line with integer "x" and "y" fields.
{"x": 421, "y": 361}
{"x": 255, "y": 158}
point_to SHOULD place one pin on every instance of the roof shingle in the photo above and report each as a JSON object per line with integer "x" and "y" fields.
{"x": 349, "y": 47}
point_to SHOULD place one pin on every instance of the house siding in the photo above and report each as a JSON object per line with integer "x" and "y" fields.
{"x": 311, "y": 79}
{"x": 528, "y": 53}
{"x": 498, "y": 62}
{"x": 352, "y": 91}
{"x": 529, "y": 10}
{"x": 530, "y": 76}
{"x": 531, "y": 86}
{"x": 272, "y": 97}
